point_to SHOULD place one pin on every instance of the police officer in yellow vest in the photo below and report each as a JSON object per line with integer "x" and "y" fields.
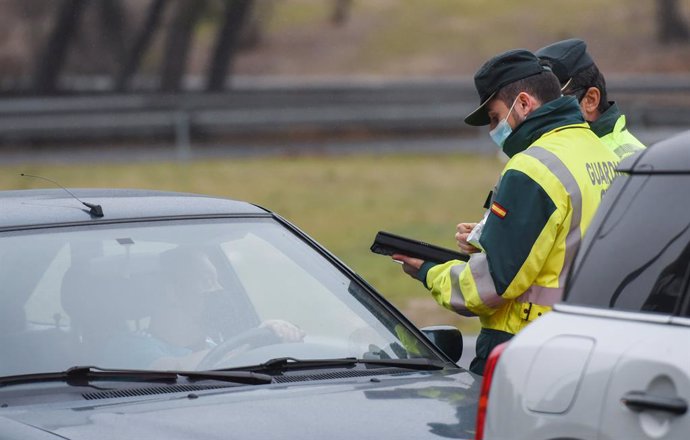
{"x": 580, "y": 77}
{"x": 545, "y": 199}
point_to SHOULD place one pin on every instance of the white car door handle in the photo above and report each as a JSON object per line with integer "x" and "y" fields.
{"x": 641, "y": 401}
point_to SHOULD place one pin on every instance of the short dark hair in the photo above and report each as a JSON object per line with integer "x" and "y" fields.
{"x": 582, "y": 81}
{"x": 543, "y": 86}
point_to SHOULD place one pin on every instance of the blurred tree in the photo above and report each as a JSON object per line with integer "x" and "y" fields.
{"x": 254, "y": 26}
{"x": 141, "y": 42}
{"x": 30, "y": 19}
{"x": 341, "y": 11}
{"x": 178, "y": 41}
{"x": 52, "y": 59}
{"x": 671, "y": 26}
{"x": 113, "y": 22}
{"x": 226, "y": 44}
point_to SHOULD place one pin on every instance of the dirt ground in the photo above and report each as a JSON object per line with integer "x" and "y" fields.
{"x": 301, "y": 54}
{"x": 621, "y": 39}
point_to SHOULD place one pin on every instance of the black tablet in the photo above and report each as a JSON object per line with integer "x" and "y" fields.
{"x": 386, "y": 243}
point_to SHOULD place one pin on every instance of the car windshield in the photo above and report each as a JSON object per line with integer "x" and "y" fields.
{"x": 190, "y": 295}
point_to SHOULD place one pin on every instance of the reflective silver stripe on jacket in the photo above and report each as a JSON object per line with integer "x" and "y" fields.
{"x": 543, "y": 296}
{"x": 558, "y": 168}
{"x": 457, "y": 301}
{"x": 479, "y": 266}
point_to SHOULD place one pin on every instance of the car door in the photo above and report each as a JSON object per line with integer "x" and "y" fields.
{"x": 637, "y": 265}
{"x": 649, "y": 386}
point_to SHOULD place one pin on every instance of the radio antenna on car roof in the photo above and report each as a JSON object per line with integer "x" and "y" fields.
{"x": 94, "y": 210}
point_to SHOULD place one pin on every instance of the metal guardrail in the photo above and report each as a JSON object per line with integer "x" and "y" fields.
{"x": 263, "y": 107}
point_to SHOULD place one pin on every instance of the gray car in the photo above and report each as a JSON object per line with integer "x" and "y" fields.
{"x": 142, "y": 315}
{"x": 612, "y": 361}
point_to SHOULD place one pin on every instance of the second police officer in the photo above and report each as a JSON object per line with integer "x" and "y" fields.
{"x": 580, "y": 77}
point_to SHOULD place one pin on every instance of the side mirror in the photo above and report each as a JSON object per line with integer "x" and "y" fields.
{"x": 447, "y": 338}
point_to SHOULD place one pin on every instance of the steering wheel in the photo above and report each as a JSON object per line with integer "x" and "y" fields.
{"x": 253, "y": 338}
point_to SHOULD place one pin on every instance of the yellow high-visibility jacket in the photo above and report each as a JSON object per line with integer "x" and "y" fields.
{"x": 611, "y": 129}
{"x": 545, "y": 200}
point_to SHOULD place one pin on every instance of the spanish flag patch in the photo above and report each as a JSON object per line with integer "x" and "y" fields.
{"x": 499, "y": 210}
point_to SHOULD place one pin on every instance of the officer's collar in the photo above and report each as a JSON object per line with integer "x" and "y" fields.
{"x": 557, "y": 113}
{"x": 607, "y": 121}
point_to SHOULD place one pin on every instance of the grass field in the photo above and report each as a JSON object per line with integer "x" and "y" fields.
{"x": 341, "y": 201}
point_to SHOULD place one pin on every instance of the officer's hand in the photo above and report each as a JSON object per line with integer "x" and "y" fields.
{"x": 464, "y": 230}
{"x": 410, "y": 265}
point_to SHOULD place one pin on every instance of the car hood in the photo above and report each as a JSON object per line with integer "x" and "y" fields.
{"x": 404, "y": 406}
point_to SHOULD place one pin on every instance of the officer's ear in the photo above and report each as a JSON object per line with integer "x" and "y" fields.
{"x": 590, "y": 104}
{"x": 526, "y": 104}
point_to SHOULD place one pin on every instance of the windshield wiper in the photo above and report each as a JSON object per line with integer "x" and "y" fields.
{"x": 290, "y": 363}
{"x": 83, "y": 375}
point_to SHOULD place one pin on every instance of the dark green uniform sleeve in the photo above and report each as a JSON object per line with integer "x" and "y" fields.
{"x": 520, "y": 212}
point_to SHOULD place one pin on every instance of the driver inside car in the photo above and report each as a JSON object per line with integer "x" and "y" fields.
{"x": 178, "y": 336}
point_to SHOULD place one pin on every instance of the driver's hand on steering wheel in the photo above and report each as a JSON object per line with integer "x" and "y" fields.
{"x": 286, "y": 331}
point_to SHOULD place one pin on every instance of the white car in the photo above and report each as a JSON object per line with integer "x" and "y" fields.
{"x": 612, "y": 361}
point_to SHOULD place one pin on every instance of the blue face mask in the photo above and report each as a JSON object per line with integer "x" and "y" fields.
{"x": 503, "y": 129}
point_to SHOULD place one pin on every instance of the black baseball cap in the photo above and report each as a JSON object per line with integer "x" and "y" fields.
{"x": 567, "y": 58}
{"x": 499, "y": 71}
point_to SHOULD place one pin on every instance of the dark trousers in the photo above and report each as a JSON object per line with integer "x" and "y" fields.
{"x": 486, "y": 341}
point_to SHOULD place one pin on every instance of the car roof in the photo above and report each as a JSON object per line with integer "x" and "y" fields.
{"x": 668, "y": 156}
{"x": 57, "y": 206}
